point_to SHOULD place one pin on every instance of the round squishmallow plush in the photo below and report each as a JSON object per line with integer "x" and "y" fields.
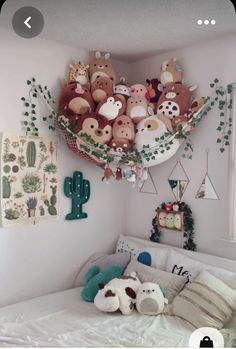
{"x": 101, "y": 67}
{"x": 75, "y": 100}
{"x": 175, "y": 100}
{"x": 170, "y": 218}
{"x": 138, "y": 90}
{"x": 123, "y": 133}
{"x": 101, "y": 88}
{"x": 96, "y": 126}
{"x": 150, "y": 299}
{"x": 111, "y": 107}
{"x": 177, "y": 221}
{"x": 162, "y": 219}
{"x": 121, "y": 89}
{"x": 154, "y": 90}
{"x": 148, "y": 134}
{"x": 171, "y": 72}
{"x": 79, "y": 73}
{"x": 137, "y": 108}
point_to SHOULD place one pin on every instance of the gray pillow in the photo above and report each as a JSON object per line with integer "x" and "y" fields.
{"x": 103, "y": 261}
{"x": 170, "y": 283}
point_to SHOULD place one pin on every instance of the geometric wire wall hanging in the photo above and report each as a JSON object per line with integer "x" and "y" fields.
{"x": 178, "y": 181}
{"x": 148, "y": 186}
{"x": 207, "y": 189}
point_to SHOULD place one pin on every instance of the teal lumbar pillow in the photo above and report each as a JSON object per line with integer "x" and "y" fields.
{"x": 95, "y": 276}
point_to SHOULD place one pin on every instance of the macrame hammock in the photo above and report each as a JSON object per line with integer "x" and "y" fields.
{"x": 134, "y": 163}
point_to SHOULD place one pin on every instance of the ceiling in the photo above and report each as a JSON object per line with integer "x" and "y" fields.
{"x": 129, "y": 29}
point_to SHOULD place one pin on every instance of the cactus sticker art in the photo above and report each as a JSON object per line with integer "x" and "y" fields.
{"x": 29, "y": 179}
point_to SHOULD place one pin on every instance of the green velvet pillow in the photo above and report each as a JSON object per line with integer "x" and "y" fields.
{"x": 95, "y": 276}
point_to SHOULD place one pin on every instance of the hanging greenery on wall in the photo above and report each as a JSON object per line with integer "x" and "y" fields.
{"x": 188, "y": 223}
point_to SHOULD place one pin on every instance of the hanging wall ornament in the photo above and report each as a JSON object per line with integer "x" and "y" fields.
{"x": 206, "y": 189}
{"x": 149, "y": 186}
{"x": 178, "y": 181}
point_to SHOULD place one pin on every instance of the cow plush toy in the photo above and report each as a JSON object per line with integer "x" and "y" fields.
{"x": 118, "y": 294}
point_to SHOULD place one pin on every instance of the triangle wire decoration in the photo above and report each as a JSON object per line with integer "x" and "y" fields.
{"x": 206, "y": 189}
{"x": 149, "y": 182}
{"x": 178, "y": 181}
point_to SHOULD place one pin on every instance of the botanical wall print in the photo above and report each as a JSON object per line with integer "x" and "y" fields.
{"x": 178, "y": 181}
{"x": 28, "y": 178}
{"x": 149, "y": 186}
{"x": 78, "y": 190}
{"x": 206, "y": 189}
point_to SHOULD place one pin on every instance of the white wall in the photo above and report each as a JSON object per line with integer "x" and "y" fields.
{"x": 201, "y": 63}
{"x": 39, "y": 259}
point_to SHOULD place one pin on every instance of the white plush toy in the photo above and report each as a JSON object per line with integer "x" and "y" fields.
{"x": 118, "y": 294}
{"x": 150, "y": 299}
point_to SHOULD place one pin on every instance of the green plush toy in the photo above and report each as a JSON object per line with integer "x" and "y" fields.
{"x": 95, "y": 276}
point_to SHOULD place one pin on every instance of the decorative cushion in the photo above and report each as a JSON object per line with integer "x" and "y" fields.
{"x": 103, "y": 261}
{"x": 179, "y": 264}
{"x": 205, "y": 302}
{"x": 151, "y": 256}
{"x": 171, "y": 284}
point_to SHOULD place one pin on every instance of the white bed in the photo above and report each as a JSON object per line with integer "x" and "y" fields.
{"x": 64, "y": 320}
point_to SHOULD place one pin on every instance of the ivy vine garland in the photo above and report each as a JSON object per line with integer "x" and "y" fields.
{"x": 188, "y": 226}
{"x": 221, "y": 97}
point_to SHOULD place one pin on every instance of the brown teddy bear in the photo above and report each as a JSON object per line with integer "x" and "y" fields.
{"x": 96, "y": 126}
{"x": 111, "y": 107}
{"x": 75, "y": 101}
{"x": 102, "y": 67}
{"x": 101, "y": 88}
{"x": 123, "y": 133}
{"x": 154, "y": 90}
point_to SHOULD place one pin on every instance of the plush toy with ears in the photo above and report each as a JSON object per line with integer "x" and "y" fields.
{"x": 118, "y": 294}
{"x": 75, "y": 100}
{"x": 101, "y": 88}
{"x": 101, "y": 67}
{"x": 171, "y": 72}
{"x": 79, "y": 73}
{"x": 150, "y": 299}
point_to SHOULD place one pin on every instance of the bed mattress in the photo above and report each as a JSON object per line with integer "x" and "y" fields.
{"x": 64, "y": 320}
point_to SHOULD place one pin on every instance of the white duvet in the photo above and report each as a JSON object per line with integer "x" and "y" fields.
{"x": 64, "y": 320}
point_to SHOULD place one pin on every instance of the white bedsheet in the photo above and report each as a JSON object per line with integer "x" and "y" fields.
{"x": 64, "y": 320}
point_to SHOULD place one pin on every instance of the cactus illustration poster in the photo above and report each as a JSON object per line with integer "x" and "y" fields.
{"x": 29, "y": 179}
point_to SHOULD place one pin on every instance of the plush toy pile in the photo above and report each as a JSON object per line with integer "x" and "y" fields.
{"x": 100, "y": 111}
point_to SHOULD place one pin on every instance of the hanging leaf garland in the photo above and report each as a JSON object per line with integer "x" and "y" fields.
{"x": 31, "y": 120}
{"x": 223, "y": 99}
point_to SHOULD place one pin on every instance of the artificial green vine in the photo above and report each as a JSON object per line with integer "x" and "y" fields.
{"x": 30, "y": 122}
{"x": 188, "y": 225}
{"x": 223, "y": 98}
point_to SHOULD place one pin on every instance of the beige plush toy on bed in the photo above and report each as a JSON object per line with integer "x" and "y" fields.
{"x": 150, "y": 299}
{"x": 118, "y": 294}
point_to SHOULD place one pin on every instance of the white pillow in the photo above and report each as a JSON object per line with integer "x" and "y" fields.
{"x": 151, "y": 256}
{"x": 205, "y": 302}
{"x": 182, "y": 265}
{"x": 170, "y": 283}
